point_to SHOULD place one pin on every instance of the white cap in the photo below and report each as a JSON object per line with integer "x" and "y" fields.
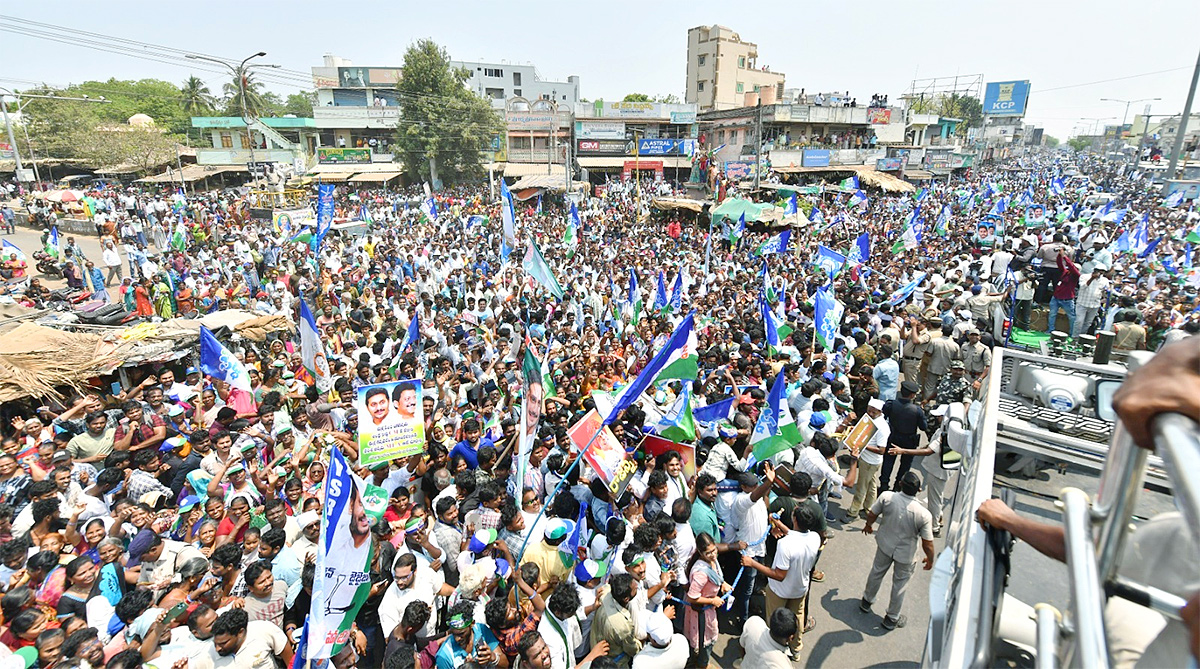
{"x": 875, "y": 403}
{"x": 659, "y": 629}
{"x": 941, "y": 410}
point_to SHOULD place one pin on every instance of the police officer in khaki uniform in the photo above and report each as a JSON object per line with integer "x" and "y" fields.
{"x": 941, "y": 352}
{"x": 977, "y": 358}
{"x": 916, "y": 342}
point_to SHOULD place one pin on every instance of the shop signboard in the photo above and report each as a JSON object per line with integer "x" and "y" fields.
{"x": 362, "y": 77}
{"x": 889, "y": 164}
{"x": 533, "y": 120}
{"x": 604, "y": 147}
{"x": 879, "y": 116}
{"x": 1006, "y": 98}
{"x": 600, "y": 130}
{"x": 663, "y": 147}
{"x": 683, "y": 117}
{"x": 328, "y": 155}
{"x": 816, "y": 158}
{"x": 631, "y": 166}
{"x": 739, "y": 169}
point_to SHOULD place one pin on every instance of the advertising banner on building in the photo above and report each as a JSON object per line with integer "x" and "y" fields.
{"x": 889, "y": 164}
{"x": 739, "y": 169}
{"x": 362, "y": 77}
{"x": 683, "y": 117}
{"x": 879, "y": 116}
{"x": 328, "y": 155}
{"x": 1006, "y": 98}
{"x": 632, "y": 166}
{"x": 663, "y": 147}
{"x": 600, "y": 129}
{"x": 534, "y": 120}
{"x": 816, "y": 158}
{"x": 343, "y": 581}
{"x": 605, "y": 147}
{"x": 390, "y": 424}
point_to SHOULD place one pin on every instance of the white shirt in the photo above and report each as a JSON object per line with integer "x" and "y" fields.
{"x": 752, "y": 523}
{"x": 797, "y": 553}
{"x": 674, "y": 656}
{"x": 811, "y": 462}
{"x": 425, "y": 586}
{"x": 264, "y": 642}
{"x": 685, "y": 546}
{"x": 878, "y": 440}
{"x": 559, "y": 650}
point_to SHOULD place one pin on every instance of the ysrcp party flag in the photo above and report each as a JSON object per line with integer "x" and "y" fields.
{"x": 343, "y": 581}
{"x": 776, "y": 244}
{"x": 532, "y": 394}
{"x": 828, "y": 315}
{"x": 536, "y": 266}
{"x": 390, "y": 421}
{"x": 829, "y": 260}
{"x": 508, "y": 216}
{"x": 775, "y": 429}
{"x": 219, "y": 363}
{"x": 312, "y": 351}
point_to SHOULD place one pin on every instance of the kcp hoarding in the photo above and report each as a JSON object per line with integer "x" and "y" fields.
{"x": 1006, "y": 98}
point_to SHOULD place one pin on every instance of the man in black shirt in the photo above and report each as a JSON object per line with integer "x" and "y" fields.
{"x": 904, "y": 417}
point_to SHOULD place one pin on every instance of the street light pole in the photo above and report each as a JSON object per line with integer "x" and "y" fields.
{"x": 1183, "y": 121}
{"x": 8, "y": 125}
{"x": 239, "y": 73}
{"x": 12, "y": 140}
{"x": 1125, "y": 116}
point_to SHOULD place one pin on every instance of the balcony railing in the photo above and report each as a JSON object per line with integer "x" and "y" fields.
{"x": 536, "y": 155}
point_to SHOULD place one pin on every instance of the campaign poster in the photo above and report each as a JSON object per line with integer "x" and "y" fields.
{"x": 860, "y": 434}
{"x": 343, "y": 581}
{"x": 390, "y": 424}
{"x": 606, "y": 455}
{"x": 654, "y": 446}
{"x": 1035, "y": 214}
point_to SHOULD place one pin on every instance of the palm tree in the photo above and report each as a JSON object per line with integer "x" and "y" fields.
{"x": 195, "y": 98}
{"x": 255, "y": 105}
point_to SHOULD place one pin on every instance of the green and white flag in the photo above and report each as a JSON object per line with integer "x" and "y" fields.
{"x": 536, "y": 266}
{"x": 682, "y": 363}
{"x": 571, "y": 234}
{"x": 344, "y": 556}
{"x": 775, "y": 430}
{"x": 677, "y": 423}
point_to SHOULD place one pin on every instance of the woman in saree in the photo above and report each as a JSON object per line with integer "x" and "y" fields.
{"x": 161, "y": 293}
{"x": 141, "y": 296}
{"x": 186, "y": 300}
{"x": 81, "y": 576}
{"x": 111, "y": 582}
{"x": 48, "y": 579}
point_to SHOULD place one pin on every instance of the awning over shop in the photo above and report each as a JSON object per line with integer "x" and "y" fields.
{"x": 668, "y": 203}
{"x": 618, "y": 162}
{"x": 867, "y": 176}
{"x": 376, "y": 177}
{"x": 920, "y": 175}
{"x": 192, "y": 173}
{"x": 555, "y": 182}
{"x": 329, "y": 177}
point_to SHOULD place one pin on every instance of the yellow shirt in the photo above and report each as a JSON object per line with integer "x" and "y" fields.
{"x": 549, "y": 559}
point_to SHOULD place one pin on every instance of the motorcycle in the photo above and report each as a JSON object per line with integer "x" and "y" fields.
{"x": 47, "y": 264}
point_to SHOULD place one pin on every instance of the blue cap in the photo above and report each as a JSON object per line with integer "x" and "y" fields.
{"x": 817, "y": 420}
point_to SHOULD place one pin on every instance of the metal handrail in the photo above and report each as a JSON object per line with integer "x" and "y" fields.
{"x": 1177, "y": 441}
{"x": 1090, "y": 648}
{"x": 1120, "y": 482}
{"x": 1048, "y": 619}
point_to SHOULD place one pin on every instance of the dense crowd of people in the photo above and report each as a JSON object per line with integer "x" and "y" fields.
{"x": 176, "y": 521}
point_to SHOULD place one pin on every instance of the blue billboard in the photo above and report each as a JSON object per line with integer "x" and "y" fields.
{"x": 1006, "y": 98}
{"x": 815, "y": 158}
{"x": 665, "y": 147}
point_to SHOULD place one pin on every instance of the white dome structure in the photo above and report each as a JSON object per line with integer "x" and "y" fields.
{"x": 141, "y": 120}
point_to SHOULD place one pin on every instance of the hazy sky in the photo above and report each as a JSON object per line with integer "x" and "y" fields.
{"x": 618, "y": 47}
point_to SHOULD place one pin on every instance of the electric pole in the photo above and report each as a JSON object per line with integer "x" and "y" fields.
{"x": 757, "y": 140}
{"x": 1183, "y": 121}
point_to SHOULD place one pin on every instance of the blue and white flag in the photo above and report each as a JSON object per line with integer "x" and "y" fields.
{"x": 817, "y": 216}
{"x": 219, "y": 363}
{"x": 776, "y": 244}
{"x": 324, "y": 213}
{"x": 857, "y": 199}
{"x": 860, "y": 252}
{"x": 1187, "y": 255}
{"x": 771, "y": 324}
{"x": 412, "y": 335}
{"x": 921, "y": 195}
{"x": 10, "y": 249}
{"x": 508, "y": 216}
{"x": 717, "y": 411}
{"x": 1057, "y": 186}
{"x": 829, "y": 260}
{"x": 792, "y": 206}
{"x": 1174, "y": 199}
{"x": 312, "y": 351}
{"x": 999, "y": 207}
{"x": 906, "y": 290}
{"x": 1122, "y": 243}
{"x": 827, "y": 312}
{"x": 539, "y": 203}
{"x": 677, "y": 292}
{"x": 1106, "y": 209}
{"x": 661, "y": 300}
{"x": 1140, "y": 238}
{"x": 1114, "y": 216}
{"x": 55, "y": 243}
{"x": 430, "y": 208}
{"x": 1150, "y": 247}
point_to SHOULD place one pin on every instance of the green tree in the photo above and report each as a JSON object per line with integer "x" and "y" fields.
{"x": 143, "y": 147}
{"x": 1079, "y": 142}
{"x": 637, "y": 97}
{"x": 444, "y": 127}
{"x": 1051, "y": 142}
{"x": 195, "y": 98}
{"x": 668, "y": 99}
{"x": 300, "y": 104}
{"x": 257, "y": 101}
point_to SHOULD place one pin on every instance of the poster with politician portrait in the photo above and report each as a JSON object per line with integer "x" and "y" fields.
{"x": 390, "y": 421}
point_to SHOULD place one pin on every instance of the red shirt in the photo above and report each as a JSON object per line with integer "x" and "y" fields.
{"x": 1069, "y": 283}
{"x": 226, "y": 527}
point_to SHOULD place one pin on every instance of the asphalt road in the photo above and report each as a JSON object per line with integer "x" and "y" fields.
{"x": 30, "y": 240}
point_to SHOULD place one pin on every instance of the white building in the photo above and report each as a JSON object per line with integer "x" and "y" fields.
{"x": 502, "y": 81}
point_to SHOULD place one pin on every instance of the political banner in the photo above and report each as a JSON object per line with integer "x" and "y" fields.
{"x": 390, "y": 421}
{"x": 860, "y": 434}
{"x": 606, "y": 455}
{"x": 343, "y": 581}
{"x": 654, "y": 446}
